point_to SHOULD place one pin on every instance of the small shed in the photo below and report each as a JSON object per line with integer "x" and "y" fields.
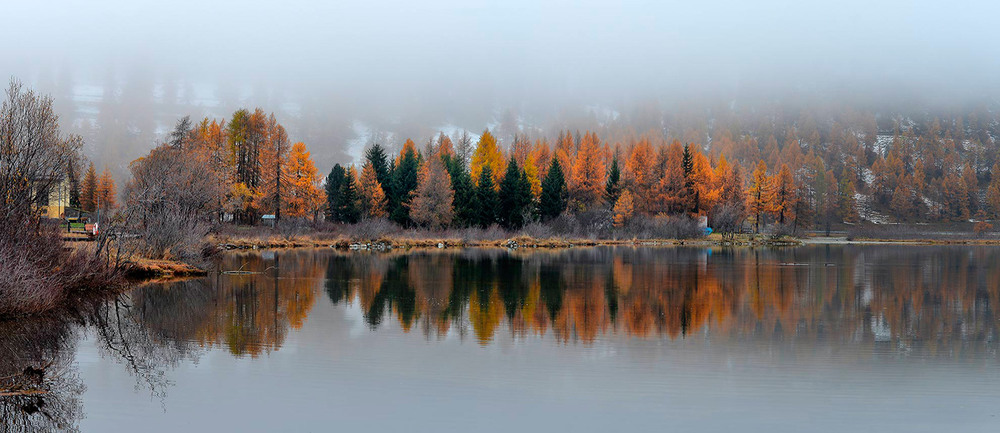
{"x": 269, "y": 219}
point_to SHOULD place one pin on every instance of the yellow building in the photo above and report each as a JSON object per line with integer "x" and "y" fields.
{"x": 58, "y": 199}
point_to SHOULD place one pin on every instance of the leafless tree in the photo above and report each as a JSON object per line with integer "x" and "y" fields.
{"x": 169, "y": 203}
{"x": 463, "y": 147}
{"x": 34, "y": 156}
{"x": 37, "y": 271}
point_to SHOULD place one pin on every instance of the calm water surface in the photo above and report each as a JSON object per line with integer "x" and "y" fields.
{"x": 815, "y": 338}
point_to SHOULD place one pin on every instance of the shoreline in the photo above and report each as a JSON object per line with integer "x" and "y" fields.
{"x": 246, "y": 243}
{"x": 146, "y": 270}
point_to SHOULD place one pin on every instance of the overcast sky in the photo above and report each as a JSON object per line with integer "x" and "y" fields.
{"x": 586, "y": 49}
{"x": 405, "y": 59}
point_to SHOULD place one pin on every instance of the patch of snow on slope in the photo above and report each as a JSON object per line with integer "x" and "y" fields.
{"x": 882, "y": 143}
{"x": 454, "y": 131}
{"x": 364, "y": 135}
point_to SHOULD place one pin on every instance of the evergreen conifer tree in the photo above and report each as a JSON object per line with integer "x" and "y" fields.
{"x": 465, "y": 193}
{"x": 349, "y": 208}
{"x": 404, "y": 181}
{"x": 333, "y": 189}
{"x": 553, "y": 199}
{"x": 511, "y": 200}
{"x": 487, "y": 201}
{"x": 613, "y": 187}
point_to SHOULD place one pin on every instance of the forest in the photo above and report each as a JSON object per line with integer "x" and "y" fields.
{"x": 783, "y": 175}
{"x": 763, "y": 170}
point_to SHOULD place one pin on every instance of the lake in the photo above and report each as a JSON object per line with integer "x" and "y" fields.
{"x": 811, "y": 338}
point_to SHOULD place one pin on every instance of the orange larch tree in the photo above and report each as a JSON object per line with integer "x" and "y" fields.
{"x": 487, "y": 154}
{"x": 373, "y": 201}
{"x": 760, "y": 195}
{"x": 542, "y": 156}
{"x": 670, "y": 194}
{"x": 623, "y": 209}
{"x": 565, "y": 150}
{"x": 586, "y": 185}
{"x": 106, "y": 195}
{"x": 640, "y": 174}
{"x": 88, "y": 193}
{"x": 704, "y": 181}
{"x": 783, "y": 207}
{"x": 273, "y": 159}
{"x": 304, "y": 195}
{"x": 432, "y": 201}
{"x": 445, "y": 146}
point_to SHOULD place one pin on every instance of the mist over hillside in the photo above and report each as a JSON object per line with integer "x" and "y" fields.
{"x": 338, "y": 74}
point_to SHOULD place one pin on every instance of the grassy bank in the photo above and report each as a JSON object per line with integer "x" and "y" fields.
{"x": 264, "y": 238}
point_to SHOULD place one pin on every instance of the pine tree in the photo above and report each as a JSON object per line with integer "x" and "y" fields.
{"x": 348, "y": 206}
{"x": 553, "y": 200}
{"x": 687, "y": 166}
{"x": 613, "y": 187}
{"x": 464, "y": 202}
{"x": 181, "y": 133}
{"x": 512, "y": 200}
{"x": 380, "y": 163}
{"x": 404, "y": 179}
{"x": 333, "y": 183}
{"x": 487, "y": 200}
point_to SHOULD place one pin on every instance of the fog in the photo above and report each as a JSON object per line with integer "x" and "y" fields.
{"x": 123, "y": 71}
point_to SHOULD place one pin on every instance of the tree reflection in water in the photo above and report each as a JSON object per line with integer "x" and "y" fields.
{"x": 40, "y": 388}
{"x": 935, "y": 300}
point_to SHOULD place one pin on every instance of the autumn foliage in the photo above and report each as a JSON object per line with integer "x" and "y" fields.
{"x": 787, "y": 176}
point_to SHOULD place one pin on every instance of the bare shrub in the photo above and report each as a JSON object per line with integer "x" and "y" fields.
{"x": 981, "y": 228}
{"x": 40, "y": 381}
{"x": 727, "y": 219}
{"x": 595, "y": 222}
{"x": 565, "y": 225}
{"x": 34, "y": 156}
{"x": 494, "y": 232}
{"x": 780, "y": 230}
{"x": 371, "y": 229}
{"x": 170, "y": 204}
{"x": 664, "y": 227}
{"x": 537, "y": 230}
{"x": 38, "y": 273}
{"x": 290, "y": 228}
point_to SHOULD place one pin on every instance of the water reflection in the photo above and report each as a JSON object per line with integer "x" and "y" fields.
{"x": 934, "y": 297}
{"x": 40, "y": 388}
{"x": 914, "y": 301}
